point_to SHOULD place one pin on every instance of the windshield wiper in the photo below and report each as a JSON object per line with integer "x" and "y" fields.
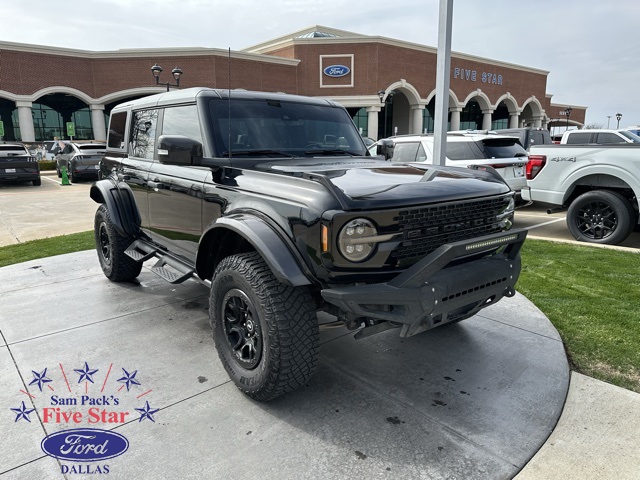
{"x": 257, "y": 153}
{"x": 331, "y": 151}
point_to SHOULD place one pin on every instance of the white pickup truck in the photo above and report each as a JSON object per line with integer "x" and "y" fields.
{"x": 599, "y": 185}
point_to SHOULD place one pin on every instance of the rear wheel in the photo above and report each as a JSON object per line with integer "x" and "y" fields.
{"x": 601, "y": 216}
{"x": 266, "y": 333}
{"x": 37, "y": 182}
{"x": 110, "y": 245}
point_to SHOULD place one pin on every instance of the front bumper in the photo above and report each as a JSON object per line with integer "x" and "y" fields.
{"x": 441, "y": 288}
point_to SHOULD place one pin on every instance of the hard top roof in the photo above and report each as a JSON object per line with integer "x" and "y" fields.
{"x": 189, "y": 95}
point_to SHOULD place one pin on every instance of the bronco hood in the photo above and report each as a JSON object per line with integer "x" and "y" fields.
{"x": 363, "y": 183}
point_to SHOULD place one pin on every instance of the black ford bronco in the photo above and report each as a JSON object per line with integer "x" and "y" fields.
{"x": 275, "y": 201}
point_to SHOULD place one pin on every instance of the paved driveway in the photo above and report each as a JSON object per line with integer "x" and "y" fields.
{"x": 472, "y": 400}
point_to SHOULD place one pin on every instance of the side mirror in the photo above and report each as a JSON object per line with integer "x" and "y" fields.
{"x": 385, "y": 148}
{"x": 179, "y": 150}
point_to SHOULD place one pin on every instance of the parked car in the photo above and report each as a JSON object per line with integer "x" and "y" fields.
{"x": 528, "y": 136}
{"x": 18, "y": 165}
{"x": 599, "y": 137}
{"x": 82, "y": 160}
{"x": 464, "y": 149}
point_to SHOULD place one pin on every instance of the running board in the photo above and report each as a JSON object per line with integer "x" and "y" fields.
{"x": 172, "y": 270}
{"x": 140, "y": 251}
{"x": 167, "y": 267}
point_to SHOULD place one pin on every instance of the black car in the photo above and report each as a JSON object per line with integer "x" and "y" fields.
{"x": 275, "y": 201}
{"x": 82, "y": 160}
{"x": 18, "y": 165}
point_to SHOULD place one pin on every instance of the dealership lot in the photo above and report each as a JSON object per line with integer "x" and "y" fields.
{"x": 58, "y": 210}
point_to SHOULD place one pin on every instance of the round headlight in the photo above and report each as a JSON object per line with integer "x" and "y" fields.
{"x": 353, "y": 240}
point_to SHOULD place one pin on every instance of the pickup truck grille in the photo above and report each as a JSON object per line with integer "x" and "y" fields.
{"x": 424, "y": 229}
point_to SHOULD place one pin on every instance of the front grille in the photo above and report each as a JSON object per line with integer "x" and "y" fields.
{"x": 424, "y": 229}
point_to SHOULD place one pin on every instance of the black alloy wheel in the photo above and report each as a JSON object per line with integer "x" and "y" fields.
{"x": 110, "y": 246}
{"x": 242, "y": 328}
{"x": 601, "y": 216}
{"x": 265, "y": 332}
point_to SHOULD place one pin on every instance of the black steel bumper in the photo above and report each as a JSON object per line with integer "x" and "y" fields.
{"x": 442, "y": 287}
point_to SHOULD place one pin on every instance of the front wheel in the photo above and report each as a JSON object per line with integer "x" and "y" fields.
{"x": 601, "y": 216}
{"x": 110, "y": 245}
{"x": 265, "y": 332}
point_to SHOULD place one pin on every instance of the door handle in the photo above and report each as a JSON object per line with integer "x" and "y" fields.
{"x": 155, "y": 185}
{"x": 122, "y": 177}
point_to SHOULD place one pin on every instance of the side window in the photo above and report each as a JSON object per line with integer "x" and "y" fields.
{"x": 143, "y": 133}
{"x": 579, "y": 138}
{"x": 405, "y": 151}
{"x": 182, "y": 121}
{"x": 608, "y": 138}
{"x": 117, "y": 124}
{"x": 422, "y": 155}
{"x": 67, "y": 149}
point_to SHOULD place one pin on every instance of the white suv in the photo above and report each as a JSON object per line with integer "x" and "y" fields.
{"x": 503, "y": 153}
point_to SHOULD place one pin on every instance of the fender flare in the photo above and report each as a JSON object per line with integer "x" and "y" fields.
{"x": 278, "y": 251}
{"x": 122, "y": 207}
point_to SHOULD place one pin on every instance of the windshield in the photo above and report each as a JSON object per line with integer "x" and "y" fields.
{"x": 631, "y": 136}
{"x": 282, "y": 128}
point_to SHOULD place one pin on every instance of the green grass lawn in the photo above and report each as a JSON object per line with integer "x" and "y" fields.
{"x": 592, "y": 297}
{"x": 590, "y": 294}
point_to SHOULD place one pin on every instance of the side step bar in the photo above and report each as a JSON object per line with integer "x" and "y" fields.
{"x": 167, "y": 267}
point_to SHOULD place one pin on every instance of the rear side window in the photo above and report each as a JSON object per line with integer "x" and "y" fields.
{"x": 143, "y": 134}
{"x": 117, "y": 126}
{"x": 406, "y": 152}
{"x": 608, "y": 138}
{"x": 579, "y": 138}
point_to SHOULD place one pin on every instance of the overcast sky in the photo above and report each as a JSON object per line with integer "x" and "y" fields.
{"x": 590, "y": 47}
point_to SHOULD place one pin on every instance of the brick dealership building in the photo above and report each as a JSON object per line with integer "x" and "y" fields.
{"x": 387, "y": 85}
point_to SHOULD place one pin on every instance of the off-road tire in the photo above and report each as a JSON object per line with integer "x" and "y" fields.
{"x": 110, "y": 246}
{"x": 250, "y": 309}
{"x": 601, "y": 216}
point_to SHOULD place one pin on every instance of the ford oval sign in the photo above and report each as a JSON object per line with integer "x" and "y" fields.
{"x": 336, "y": 71}
{"x": 84, "y": 445}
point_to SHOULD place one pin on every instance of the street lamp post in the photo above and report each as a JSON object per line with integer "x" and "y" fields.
{"x": 608, "y": 120}
{"x": 156, "y": 70}
{"x": 618, "y": 117}
{"x": 567, "y": 112}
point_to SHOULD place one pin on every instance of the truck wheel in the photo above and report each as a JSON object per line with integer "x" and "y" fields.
{"x": 601, "y": 216}
{"x": 110, "y": 245}
{"x": 266, "y": 333}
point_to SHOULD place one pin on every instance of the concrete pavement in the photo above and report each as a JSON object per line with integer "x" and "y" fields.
{"x": 474, "y": 400}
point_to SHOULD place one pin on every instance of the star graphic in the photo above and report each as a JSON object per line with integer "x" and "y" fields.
{"x": 129, "y": 379}
{"x": 86, "y": 373}
{"x": 147, "y": 412}
{"x": 40, "y": 378}
{"x": 23, "y": 412}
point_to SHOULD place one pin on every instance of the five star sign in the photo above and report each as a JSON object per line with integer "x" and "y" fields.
{"x": 40, "y": 378}
{"x": 147, "y": 412}
{"x": 85, "y": 373}
{"x": 23, "y": 412}
{"x": 129, "y": 379}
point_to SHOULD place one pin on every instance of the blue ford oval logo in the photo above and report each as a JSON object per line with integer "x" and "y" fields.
{"x": 336, "y": 71}
{"x": 84, "y": 445}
